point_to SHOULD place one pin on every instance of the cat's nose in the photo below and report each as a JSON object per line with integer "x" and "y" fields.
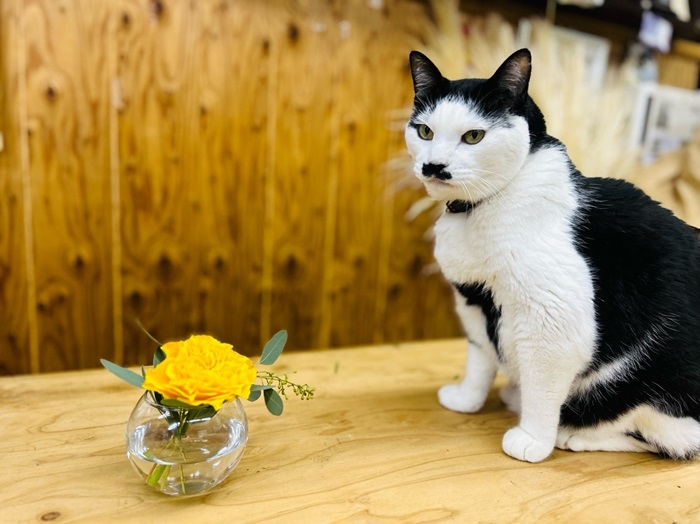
{"x": 436, "y": 170}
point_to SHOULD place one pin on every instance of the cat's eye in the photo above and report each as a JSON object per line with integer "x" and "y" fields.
{"x": 425, "y": 132}
{"x": 474, "y": 136}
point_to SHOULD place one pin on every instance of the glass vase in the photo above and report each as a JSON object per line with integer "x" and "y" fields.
{"x": 185, "y": 451}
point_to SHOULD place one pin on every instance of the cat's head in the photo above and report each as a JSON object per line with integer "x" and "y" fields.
{"x": 469, "y": 138}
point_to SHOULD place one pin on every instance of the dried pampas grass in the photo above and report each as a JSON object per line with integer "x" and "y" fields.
{"x": 674, "y": 180}
{"x": 593, "y": 121}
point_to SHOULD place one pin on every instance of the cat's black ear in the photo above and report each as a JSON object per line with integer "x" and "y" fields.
{"x": 426, "y": 76}
{"x": 513, "y": 77}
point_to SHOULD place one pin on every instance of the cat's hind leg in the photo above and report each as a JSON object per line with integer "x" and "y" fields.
{"x": 482, "y": 362}
{"x": 604, "y": 437}
{"x": 643, "y": 428}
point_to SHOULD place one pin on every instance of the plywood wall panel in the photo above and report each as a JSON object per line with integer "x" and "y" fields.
{"x": 374, "y": 83}
{"x": 160, "y": 210}
{"x": 15, "y": 271}
{"x": 301, "y": 179}
{"x": 231, "y": 95}
{"x": 67, "y": 108}
{"x": 211, "y": 166}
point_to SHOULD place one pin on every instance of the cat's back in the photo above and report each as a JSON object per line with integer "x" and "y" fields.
{"x": 617, "y": 222}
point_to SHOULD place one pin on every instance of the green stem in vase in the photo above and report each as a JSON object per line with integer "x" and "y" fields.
{"x": 182, "y": 479}
{"x": 158, "y": 475}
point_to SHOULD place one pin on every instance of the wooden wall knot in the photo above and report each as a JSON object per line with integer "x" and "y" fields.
{"x": 51, "y": 515}
{"x": 167, "y": 262}
{"x": 53, "y": 295}
{"x": 157, "y": 10}
{"x": 218, "y": 259}
{"x": 292, "y": 262}
{"x": 358, "y": 262}
{"x": 293, "y": 33}
{"x": 79, "y": 258}
{"x": 136, "y": 297}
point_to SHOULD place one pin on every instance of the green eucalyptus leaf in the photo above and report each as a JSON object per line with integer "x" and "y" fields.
{"x": 158, "y": 356}
{"x": 273, "y": 402}
{"x": 125, "y": 374}
{"x": 260, "y": 387}
{"x": 273, "y": 348}
{"x": 254, "y": 395}
{"x": 200, "y": 415}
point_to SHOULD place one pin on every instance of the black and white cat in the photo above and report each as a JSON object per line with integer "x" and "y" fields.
{"x": 584, "y": 291}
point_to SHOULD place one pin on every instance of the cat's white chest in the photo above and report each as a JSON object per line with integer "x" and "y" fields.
{"x": 469, "y": 250}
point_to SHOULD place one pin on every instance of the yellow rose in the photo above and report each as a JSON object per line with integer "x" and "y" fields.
{"x": 201, "y": 370}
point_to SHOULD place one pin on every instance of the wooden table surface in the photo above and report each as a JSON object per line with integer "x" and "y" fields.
{"x": 373, "y": 446}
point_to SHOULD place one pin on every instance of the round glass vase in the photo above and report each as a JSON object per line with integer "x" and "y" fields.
{"x": 185, "y": 451}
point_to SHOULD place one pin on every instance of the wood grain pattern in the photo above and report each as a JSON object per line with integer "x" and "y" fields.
{"x": 232, "y": 118}
{"x": 67, "y": 107}
{"x": 373, "y": 446}
{"x": 301, "y": 176}
{"x": 15, "y": 275}
{"x": 418, "y": 302}
{"x": 365, "y": 197}
{"x": 158, "y": 196}
{"x": 212, "y": 166}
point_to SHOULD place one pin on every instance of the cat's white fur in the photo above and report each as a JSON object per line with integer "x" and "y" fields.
{"x": 518, "y": 243}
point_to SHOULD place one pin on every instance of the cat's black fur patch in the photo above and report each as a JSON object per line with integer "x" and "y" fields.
{"x": 636, "y": 435}
{"x": 645, "y": 264}
{"x": 482, "y": 94}
{"x": 479, "y": 295}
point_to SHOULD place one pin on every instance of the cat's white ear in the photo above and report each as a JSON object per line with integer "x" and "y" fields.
{"x": 426, "y": 75}
{"x": 513, "y": 76}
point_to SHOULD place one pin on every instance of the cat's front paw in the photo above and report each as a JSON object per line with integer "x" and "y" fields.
{"x": 519, "y": 444}
{"x": 456, "y": 397}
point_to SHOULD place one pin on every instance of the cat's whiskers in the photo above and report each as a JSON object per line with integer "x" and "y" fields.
{"x": 489, "y": 172}
{"x": 507, "y": 179}
{"x": 494, "y": 191}
{"x": 467, "y": 193}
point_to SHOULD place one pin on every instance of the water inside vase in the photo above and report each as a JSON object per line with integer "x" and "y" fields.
{"x": 190, "y": 464}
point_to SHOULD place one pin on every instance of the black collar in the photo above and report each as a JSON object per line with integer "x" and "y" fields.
{"x": 460, "y": 206}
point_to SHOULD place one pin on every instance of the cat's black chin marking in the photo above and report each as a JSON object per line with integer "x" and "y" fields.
{"x": 460, "y": 206}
